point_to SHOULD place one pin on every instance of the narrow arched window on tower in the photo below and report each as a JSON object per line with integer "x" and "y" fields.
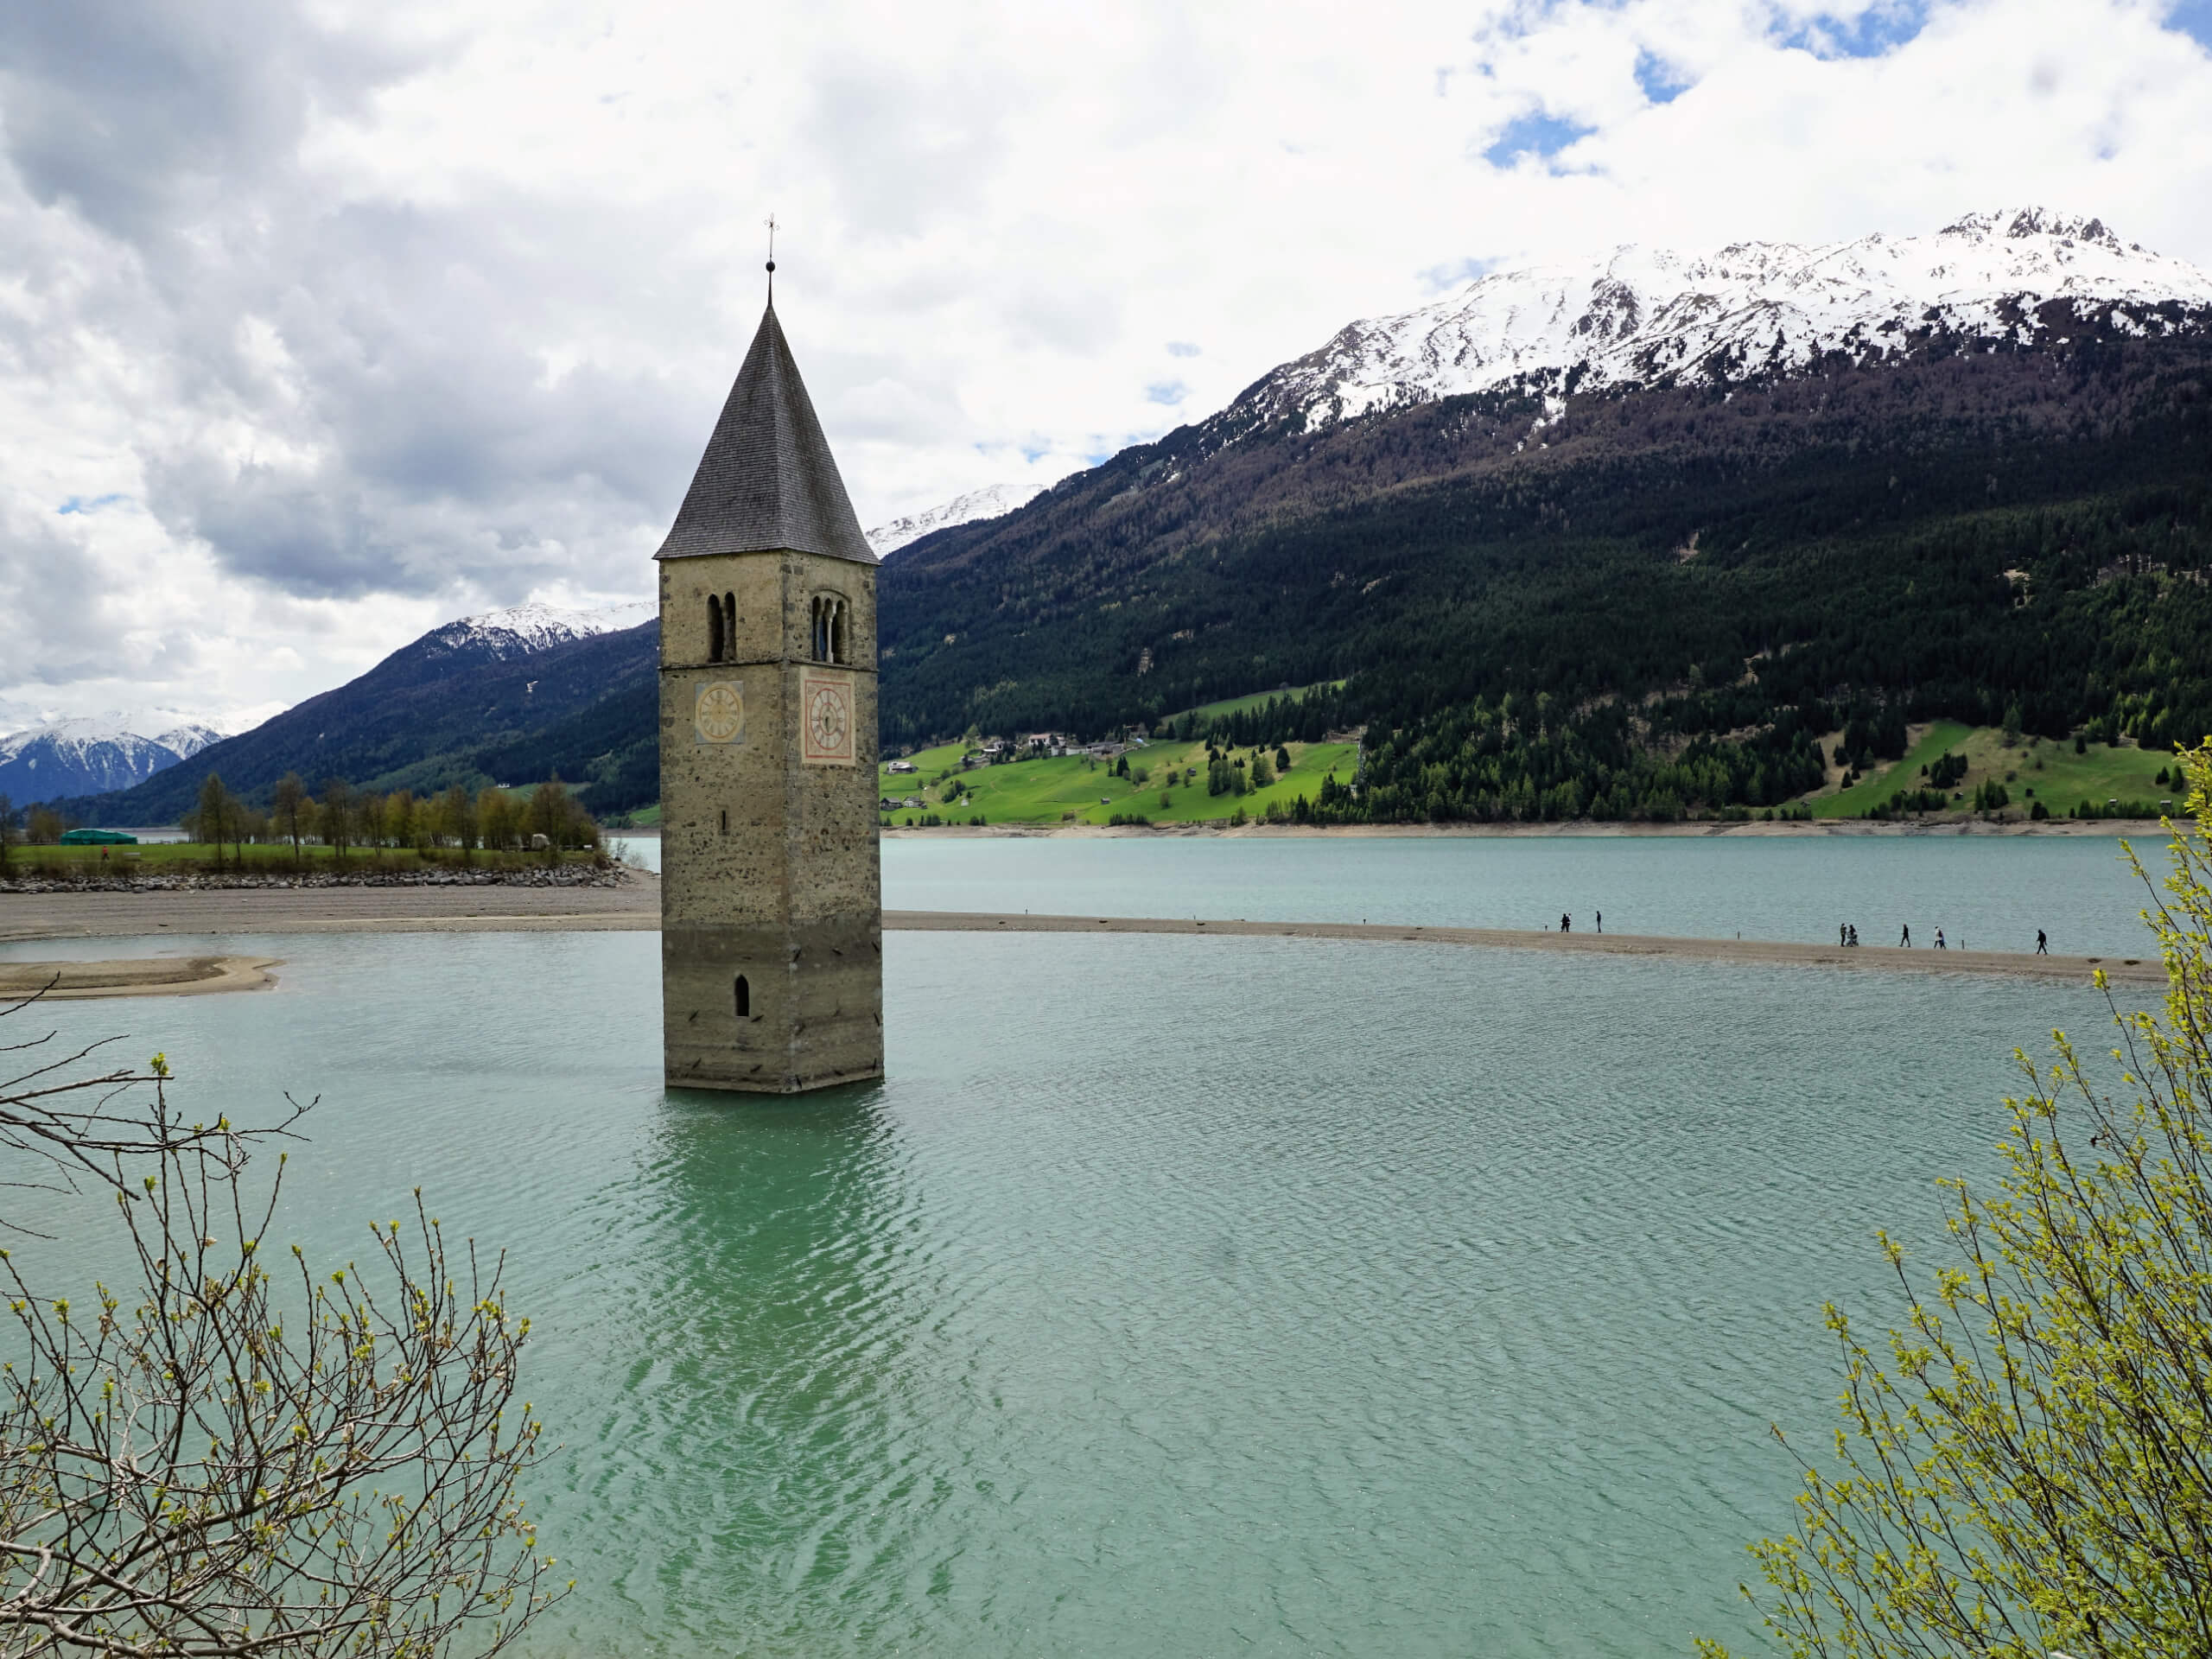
{"x": 836, "y": 630}
{"x": 744, "y": 999}
{"x": 713, "y": 629}
{"x": 729, "y": 627}
{"x": 725, "y": 820}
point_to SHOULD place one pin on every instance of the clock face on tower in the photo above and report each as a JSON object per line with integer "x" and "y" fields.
{"x": 720, "y": 717}
{"x": 826, "y": 717}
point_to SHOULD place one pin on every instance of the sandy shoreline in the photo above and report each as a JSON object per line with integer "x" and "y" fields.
{"x": 635, "y": 907}
{"x": 137, "y": 976}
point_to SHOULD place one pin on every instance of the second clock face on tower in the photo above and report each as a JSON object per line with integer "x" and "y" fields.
{"x": 826, "y": 716}
{"x": 719, "y": 716}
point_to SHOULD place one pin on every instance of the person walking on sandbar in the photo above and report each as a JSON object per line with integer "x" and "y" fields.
{"x": 1565, "y": 923}
{"x": 2043, "y": 945}
{"x": 1904, "y": 941}
{"x": 1939, "y": 938}
{"x": 1842, "y": 934}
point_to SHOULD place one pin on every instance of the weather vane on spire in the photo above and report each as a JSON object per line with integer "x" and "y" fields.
{"x": 772, "y": 258}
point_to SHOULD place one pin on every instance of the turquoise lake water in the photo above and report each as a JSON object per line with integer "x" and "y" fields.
{"x": 1172, "y": 1296}
{"x": 1984, "y": 892}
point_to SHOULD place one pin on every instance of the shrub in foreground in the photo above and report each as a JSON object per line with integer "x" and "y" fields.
{"x": 2025, "y": 1463}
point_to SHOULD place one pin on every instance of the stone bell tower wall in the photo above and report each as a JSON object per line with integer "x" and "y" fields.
{"x": 769, "y": 852}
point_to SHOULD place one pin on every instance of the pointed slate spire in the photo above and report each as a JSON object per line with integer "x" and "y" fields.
{"x": 767, "y": 480}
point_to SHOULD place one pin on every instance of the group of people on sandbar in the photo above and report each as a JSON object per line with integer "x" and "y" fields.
{"x": 1847, "y": 936}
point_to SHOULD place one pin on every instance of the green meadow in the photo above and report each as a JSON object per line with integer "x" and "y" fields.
{"x": 1228, "y": 706}
{"x": 1081, "y": 790}
{"x": 2034, "y": 769}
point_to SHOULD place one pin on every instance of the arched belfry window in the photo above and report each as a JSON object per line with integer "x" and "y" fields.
{"x": 744, "y": 998}
{"x": 721, "y": 628}
{"x": 829, "y": 637}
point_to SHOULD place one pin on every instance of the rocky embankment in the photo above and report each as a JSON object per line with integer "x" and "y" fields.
{"x": 561, "y": 875}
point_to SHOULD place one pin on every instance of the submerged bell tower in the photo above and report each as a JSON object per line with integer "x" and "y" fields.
{"x": 772, "y": 897}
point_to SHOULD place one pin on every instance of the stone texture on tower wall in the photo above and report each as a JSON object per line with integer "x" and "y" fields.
{"x": 770, "y": 864}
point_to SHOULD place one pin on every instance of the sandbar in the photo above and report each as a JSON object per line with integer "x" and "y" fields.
{"x": 635, "y": 907}
{"x": 135, "y": 976}
{"x": 2022, "y": 964}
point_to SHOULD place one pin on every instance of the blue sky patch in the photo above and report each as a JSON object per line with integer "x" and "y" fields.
{"x": 1437, "y": 278}
{"x": 1537, "y": 133}
{"x": 2192, "y": 18}
{"x": 1658, "y": 83}
{"x": 1170, "y": 392}
{"x": 1882, "y": 27}
{"x": 93, "y": 504}
{"x": 1181, "y": 348}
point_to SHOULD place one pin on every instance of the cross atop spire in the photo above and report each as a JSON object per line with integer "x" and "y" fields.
{"x": 768, "y": 482}
{"x": 772, "y": 262}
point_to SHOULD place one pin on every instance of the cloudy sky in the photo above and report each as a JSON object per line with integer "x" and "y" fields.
{"x": 323, "y": 323}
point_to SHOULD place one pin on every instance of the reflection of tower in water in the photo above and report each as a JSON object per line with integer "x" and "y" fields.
{"x": 771, "y": 938}
{"x": 759, "y": 1399}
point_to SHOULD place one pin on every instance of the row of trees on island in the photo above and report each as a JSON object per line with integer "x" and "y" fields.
{"x": 341, "y": 821}
{"x": 348, "y": 820}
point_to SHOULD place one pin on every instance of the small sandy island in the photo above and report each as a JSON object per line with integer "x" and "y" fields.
{"x": 137, "y": 976}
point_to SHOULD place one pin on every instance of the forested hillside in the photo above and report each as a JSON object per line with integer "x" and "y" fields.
{"x": 438, "y": 713}
{"x": 1633, "y": 603}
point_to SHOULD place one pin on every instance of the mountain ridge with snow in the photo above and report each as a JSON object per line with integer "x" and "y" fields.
{"x": 92, "y": 753}
{"x": 1644, "y": 318}
{"x": 520, "y": 629}
{"x": 992, "y": 501}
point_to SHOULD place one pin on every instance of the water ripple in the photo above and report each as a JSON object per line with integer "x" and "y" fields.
{"x": 1175, "y": 1296}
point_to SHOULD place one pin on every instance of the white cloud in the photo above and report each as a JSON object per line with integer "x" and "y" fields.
{"x": 371, "y": 314}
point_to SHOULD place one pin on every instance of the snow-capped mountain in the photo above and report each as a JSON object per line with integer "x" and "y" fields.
{"x": 188, "y": 739}
{"x": 989, "y": 502}
{"x": 521, "y": 629}
{"x": 1643, "y": 317}
{"x": 91, "y": 754}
